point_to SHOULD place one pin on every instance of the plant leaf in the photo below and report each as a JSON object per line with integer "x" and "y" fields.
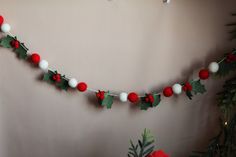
{"x": 144, "y": 146}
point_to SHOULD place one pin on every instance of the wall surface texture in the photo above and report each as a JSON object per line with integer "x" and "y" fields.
{"x": 121, "y": 45}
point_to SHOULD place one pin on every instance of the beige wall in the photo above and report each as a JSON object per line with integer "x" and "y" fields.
{"x": 114, "y": 44}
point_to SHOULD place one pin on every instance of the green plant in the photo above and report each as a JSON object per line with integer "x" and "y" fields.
{"x": 143, "y": 147}
{"x": 224, "y": 144}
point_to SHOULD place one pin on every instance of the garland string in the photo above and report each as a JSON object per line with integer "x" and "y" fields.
{"x": 105, "y": 98}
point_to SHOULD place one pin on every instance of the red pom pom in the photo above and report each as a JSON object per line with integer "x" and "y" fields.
{"x": 133, "y": 97}
{"x": 167, "y": 92}
{"x": 203, "y": 74}
{"x": 1, "y": 20}
{"x": 35, "y": 58}
{"x": 15, "y": 44}
{"x": 82, "y": 86}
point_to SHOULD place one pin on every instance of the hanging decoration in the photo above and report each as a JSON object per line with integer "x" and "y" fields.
{"x": 105, "y": 98}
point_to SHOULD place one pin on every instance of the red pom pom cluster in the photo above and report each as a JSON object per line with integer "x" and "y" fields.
{"x": 35, "y": 58}
{"x": 56, "y": 77}
{"x": 203, "y": 74}
{"x": 100, "y": 95}
{"x": 82, "y": 86}
{"x": 230, "y": 58}
{"x": 167, "y": 92}
{"x": 149, "y": 98}
{"x": 133, "y": 97}
{"x": 1, "y": 20}
{"x": 15, "y": 44}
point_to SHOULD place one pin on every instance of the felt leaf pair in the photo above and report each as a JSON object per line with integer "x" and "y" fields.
{"x": 21, "y": 50}
{"x": 61, "y": 82}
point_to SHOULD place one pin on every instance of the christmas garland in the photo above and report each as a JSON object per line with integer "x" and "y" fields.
{"x": 105, "y": 98}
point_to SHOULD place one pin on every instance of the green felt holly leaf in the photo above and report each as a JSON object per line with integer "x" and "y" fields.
{"x": 189, "y": 94}
{"x": 107, "y": 101}
{"x": 63, "y": 84}
{"x": 198, "y": 87}
{"x": 21, "y": 51}
{"x": 145, "y": 105}
{"x": 48, "y": 76}
{"x": 6, "y": 41}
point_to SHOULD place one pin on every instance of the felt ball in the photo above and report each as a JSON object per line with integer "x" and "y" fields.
{"x": 35, "y": 58}
{"x": 5, "y": 28}
{"x": 167, "y": 91}
{"x": 43, "y": 64}
{"x": 123, "y": 97}
{"x": 1, "y": 20}
{"x": 177, "y": 88}
{"x": 15, "y": 44}
{"x": 203, "y": 74}
{"x": 133, "y": 97}
{"x": 82, "y": 86}
{"x": 72, "y": 82}
{"x": 213, "y": 67}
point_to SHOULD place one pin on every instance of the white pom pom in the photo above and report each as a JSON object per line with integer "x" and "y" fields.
{"x": 43, "y": 64}
{"x": 5, "y": 28}
{"x": 177, "y": 88}
{"x": 123, "y": 97}
{"x": 72, "y": 82}
{"x": 213, "y": 67}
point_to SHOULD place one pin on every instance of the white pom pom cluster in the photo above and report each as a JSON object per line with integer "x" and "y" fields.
{"x": 72, "y": 82}
{"x": 43, "y": 64}
{"x": 213, "y": 67}
{"x": 123, "y": 97}
{"x": 5, "y": 28}
{"x": 177, "y": 88}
